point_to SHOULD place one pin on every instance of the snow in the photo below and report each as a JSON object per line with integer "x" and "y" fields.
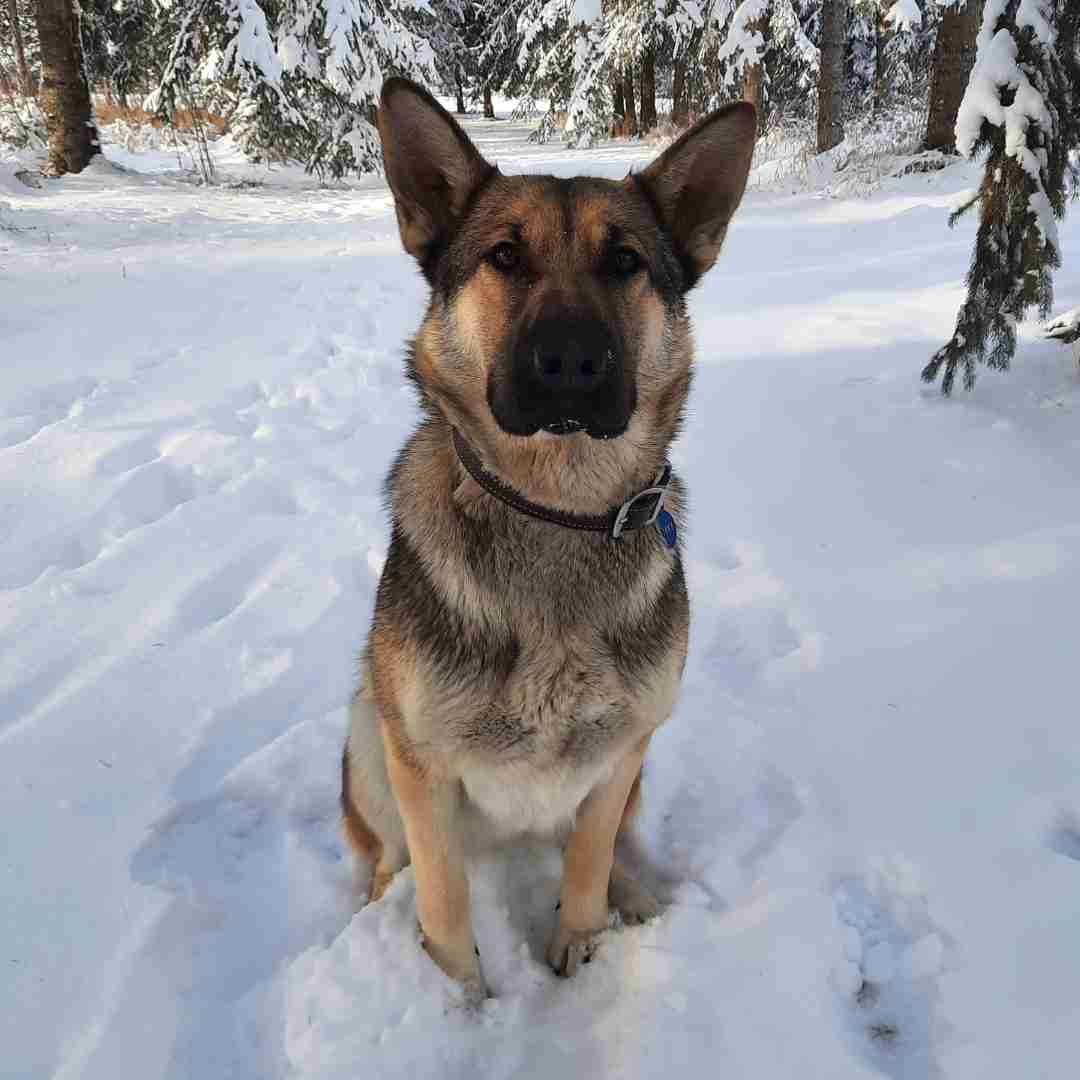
{"x": 252, "y": 43}
{"x": 744, "y": 45}
{"x": 905, "y": 15}
{"x": 584, "y": 11}
{"x": 1065, "y": 326}
{"x": 865, "y": 808}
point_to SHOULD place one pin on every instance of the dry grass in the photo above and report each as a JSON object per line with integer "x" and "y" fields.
{"x": 107, "y": 112}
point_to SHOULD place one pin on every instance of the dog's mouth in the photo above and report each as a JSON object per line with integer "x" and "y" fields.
{"x": 565, "y": 425}
{"x": 569, "y": 425}
{"x": 522, "y": 408}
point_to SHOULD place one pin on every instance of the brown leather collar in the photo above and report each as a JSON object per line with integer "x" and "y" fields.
{"x": 637, "y": 512}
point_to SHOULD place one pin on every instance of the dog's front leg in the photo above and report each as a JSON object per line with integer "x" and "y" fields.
{"x": 430, "y": 809}
{"x": 587, "y": 862}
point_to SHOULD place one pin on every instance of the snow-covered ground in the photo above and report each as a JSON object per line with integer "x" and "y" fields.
{"x": 867, "y": 803}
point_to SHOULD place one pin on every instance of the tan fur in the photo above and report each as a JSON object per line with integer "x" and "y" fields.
{"x": 590, "y": 852}
{"x": 427, "y": 804}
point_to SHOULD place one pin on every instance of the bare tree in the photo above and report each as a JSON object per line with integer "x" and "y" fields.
{"x": 830, "y": 121}
{"x": 25, "y": 83}
{"x": 648, "y": 89}
{"x": 628, "y": 99}
{"x": 954, "y": 57}
{"x": 680, "y": 112}
{"x": 65, "y": 95}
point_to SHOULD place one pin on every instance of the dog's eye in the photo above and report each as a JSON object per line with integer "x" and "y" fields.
{"x": 625, "y": 261}
{"x": 504, "y": 256}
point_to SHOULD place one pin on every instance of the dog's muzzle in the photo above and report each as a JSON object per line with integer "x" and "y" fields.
{"x": 565, "y": 374}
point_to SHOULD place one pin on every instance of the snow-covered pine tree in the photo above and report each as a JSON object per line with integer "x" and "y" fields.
{"x": 504, "y": 23}
{"x": 22, "y": 123}
{"x": 887, "y": 46}
{"x": 1022, "y": 107}
{"x": 127, "y": 43}
{"x": 452, "y": 40}
{"x": 903, "y": 63}
{"x": 18, "y": 47}
{"x": 304, "y": 74}
{"x": 742, "y": 42}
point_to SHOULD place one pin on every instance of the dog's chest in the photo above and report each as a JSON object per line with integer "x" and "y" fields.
{"x": 562, "y": 703}
{"x": 531, "y": 753}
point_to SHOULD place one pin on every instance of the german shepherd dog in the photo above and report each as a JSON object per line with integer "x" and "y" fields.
{"x": 530, "y": 624}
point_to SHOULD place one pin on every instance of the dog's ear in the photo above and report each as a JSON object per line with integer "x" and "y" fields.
{"x": 431, "y": 165}
{"x": 697, "y": 182}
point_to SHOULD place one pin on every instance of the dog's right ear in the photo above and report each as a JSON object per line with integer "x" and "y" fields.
{"x": 431, "y": 166}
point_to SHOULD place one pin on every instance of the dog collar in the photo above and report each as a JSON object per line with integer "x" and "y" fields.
{"x": 639, "y": 511}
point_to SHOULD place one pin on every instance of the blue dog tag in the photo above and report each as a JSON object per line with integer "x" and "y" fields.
{"x": 666, "y": 524}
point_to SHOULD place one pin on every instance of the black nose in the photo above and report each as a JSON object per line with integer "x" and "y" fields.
{"x": 570, "y": 358}
{"x": 570, "y": 369}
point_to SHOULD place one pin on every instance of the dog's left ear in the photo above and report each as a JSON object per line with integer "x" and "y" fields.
{"x": 431, "y": 165}
{"x": 698, "y": 181}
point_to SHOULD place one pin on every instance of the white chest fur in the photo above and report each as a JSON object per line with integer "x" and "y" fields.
{"x": 518, "y": 797}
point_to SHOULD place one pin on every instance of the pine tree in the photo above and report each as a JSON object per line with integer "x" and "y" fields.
{"x": 744, "y": 41}
{"x": 304, "y": 74}
{"x": 902, "y": 66}
{"x": 1021, "y": 107}
{"x": 453, "y": 40}
{"x": 887, "y": 43}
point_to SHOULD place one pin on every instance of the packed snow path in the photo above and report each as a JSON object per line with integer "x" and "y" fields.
{"x": 867, "y": 802}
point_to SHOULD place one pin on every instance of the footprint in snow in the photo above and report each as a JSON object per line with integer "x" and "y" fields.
{"x": 756, "y": 636}
{"x": 128, "y": 456}
{"x": 223, "y": 591}
{"x": 147, "y": 494}
{"x": 254, "y": 883}
{"x": 29, "y": 413}
{"x": 888, "y": 981}
{"x": 1063, "y": 835}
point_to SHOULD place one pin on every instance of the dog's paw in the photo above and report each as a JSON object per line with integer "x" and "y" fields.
{"x": 570, "y": 949}
{"x": 632, "y": 900}
{"x": 461, "y": 961}
{"x": 379, "y": 884}
{"x": 474, "y": 992}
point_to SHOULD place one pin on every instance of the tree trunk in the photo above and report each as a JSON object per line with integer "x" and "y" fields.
{"x": 648, "y": 89}
{"x": 65, "y": 97}
{"x": 489, "y": 105}
{"x": 882, "y": 34}
{"x": 830, "y": 122}
{"x": 20, "y": 53}
{"x": 618, "y": 105}
{"x": 628, "y": 98}
{"x": 680, "y": 113}
{"x": 460, "y": 92}
{"x": 954, "y": 56}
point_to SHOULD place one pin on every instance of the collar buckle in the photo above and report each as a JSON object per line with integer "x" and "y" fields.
{"x": 631, "y": 515}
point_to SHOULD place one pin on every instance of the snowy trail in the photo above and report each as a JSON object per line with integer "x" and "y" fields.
{"x": 867, "y": 800}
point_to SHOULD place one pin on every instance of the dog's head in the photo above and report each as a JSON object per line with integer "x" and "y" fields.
{"x": 557, "y": 312}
